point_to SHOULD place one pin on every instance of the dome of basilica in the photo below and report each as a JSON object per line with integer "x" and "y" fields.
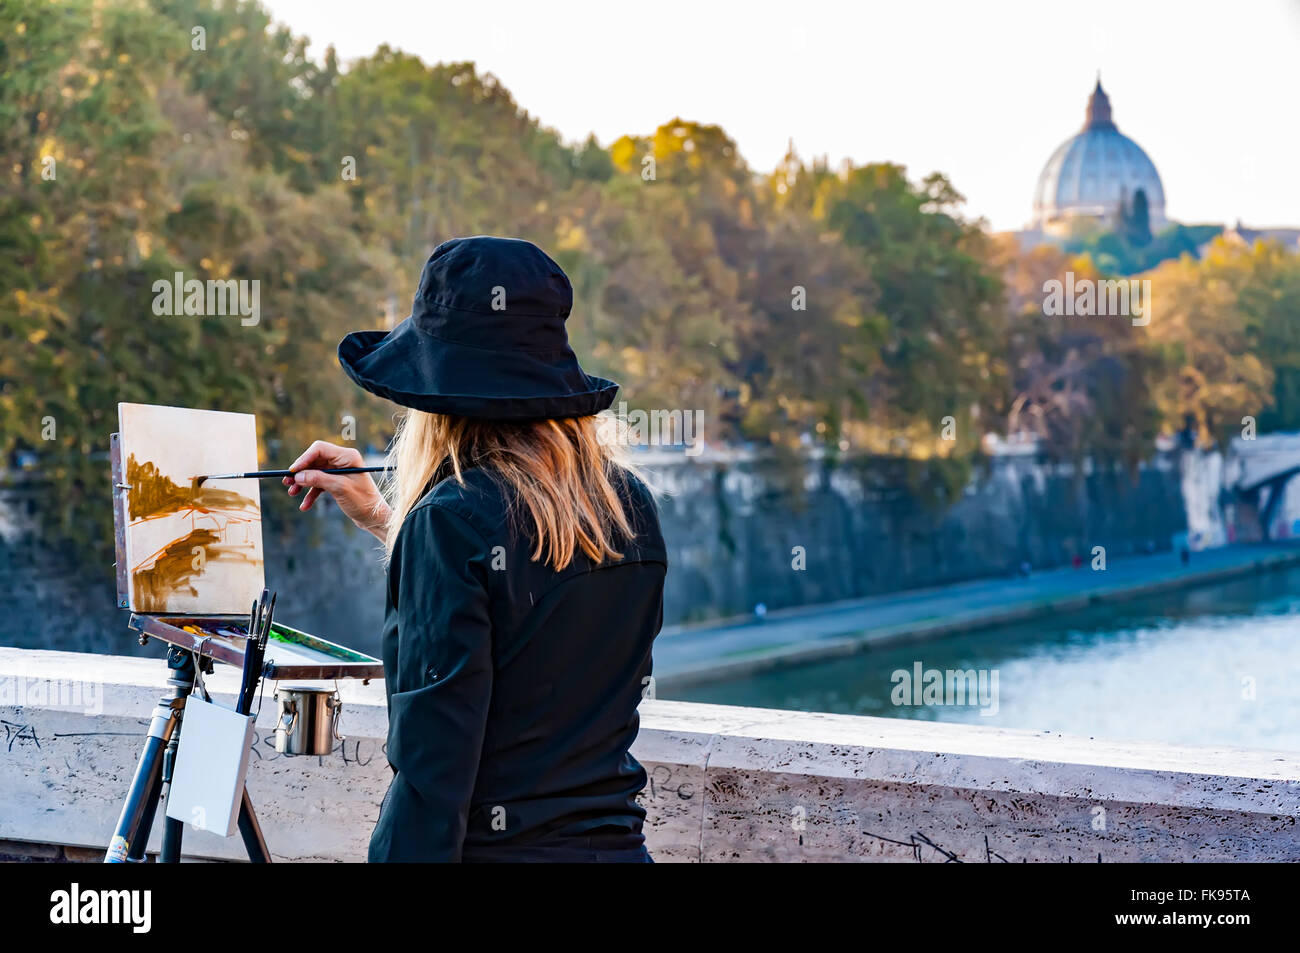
{"x": 1097, "y": 175}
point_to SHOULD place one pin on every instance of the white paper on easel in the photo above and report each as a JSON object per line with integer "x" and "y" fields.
{"x": 190, "y": 547}
{"x": 211, "y": 765}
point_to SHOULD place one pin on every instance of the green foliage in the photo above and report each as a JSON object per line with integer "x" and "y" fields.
{"x": 145, "y": 182}
{"x": 1210, "y": 376}
{"x": 1131, "y": 248}
{"x": 1265, "y": 285}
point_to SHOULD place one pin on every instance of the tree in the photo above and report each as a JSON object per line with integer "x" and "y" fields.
{"x": 1080, "y": 385}
{"x": 1136, "y": 220}
{"x": 1210, "y": 377}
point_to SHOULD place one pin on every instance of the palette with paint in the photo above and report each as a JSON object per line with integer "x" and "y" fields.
{"x": 189, "y": 556}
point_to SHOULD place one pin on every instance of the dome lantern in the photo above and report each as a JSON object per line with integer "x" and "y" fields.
{"x": 1099, "y": 110}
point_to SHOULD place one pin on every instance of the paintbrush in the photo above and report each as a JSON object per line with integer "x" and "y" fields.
{"x": 272, "y": 474}
{"x": 266, "y": 626}
{"x": 248, "y": 675}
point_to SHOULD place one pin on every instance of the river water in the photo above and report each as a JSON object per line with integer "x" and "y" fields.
{"x": 1218, "y": 665}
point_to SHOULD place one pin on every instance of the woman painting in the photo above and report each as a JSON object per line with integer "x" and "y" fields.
{"x": 525, "y": 572}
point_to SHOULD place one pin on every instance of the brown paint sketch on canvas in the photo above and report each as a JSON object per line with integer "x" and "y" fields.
{"x": 190, "y": 548}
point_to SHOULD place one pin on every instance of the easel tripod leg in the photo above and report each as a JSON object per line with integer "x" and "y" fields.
{"x": 135, "y": 823}
{"x": 251, "y": 831}
{"x": 172, "y": 828}
{"x": 136, "y": 819}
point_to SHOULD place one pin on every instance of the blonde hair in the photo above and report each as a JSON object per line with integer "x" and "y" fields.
{"x": 564, "y": 477}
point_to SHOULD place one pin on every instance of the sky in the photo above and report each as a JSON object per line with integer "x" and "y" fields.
{"x": 980, "y": 91}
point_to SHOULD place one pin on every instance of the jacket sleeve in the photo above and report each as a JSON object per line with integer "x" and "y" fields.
{"x": 443, "y": 687}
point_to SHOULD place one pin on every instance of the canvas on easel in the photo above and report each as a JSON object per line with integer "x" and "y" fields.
{"x": 190, "y": 548}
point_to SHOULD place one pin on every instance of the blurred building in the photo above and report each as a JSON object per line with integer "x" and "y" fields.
{"x": 1239, "y": 234}
{"x": 1096, "y": 179}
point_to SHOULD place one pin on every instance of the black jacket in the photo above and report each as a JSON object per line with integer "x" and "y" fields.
{"x": 512, "y": 689}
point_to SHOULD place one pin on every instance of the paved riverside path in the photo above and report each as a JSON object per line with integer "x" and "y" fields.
{"x": 694, "y": 653}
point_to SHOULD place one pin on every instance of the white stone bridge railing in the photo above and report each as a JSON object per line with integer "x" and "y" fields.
{"x": 726, "y": 784}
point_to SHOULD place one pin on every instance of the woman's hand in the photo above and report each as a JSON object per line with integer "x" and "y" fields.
{"x": 355, "y": 493}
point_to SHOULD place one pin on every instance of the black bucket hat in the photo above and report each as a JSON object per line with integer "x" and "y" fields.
{"x": 485, "y": 338}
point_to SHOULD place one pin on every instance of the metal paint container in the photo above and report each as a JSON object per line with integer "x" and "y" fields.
{"x": 308, "y": 721}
